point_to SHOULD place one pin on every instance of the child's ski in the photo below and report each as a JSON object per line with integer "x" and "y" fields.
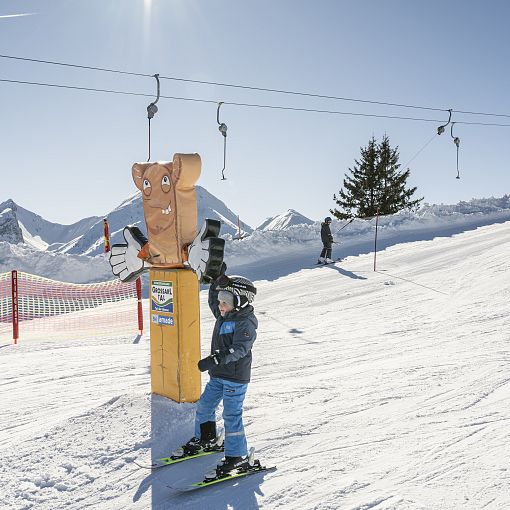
{"x": 168, "y": 461}
{"x": 216, "y": 447}
{"x": 238, "y": 473}
{"x": 319, "y": 263}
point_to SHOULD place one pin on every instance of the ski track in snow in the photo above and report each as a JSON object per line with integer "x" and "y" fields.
{"x": 370, "y": 390}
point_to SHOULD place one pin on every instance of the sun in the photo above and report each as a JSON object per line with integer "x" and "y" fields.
{"x": 147, "y": 6}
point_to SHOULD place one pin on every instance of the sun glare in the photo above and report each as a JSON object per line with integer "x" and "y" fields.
{"x": 147, "y": 4}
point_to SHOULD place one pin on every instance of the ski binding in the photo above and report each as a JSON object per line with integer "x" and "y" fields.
{"x": 212, "y": 479}
{"x": 179, "y": 456}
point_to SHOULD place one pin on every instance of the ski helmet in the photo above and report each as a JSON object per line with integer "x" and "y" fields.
{"x": 327, "y": 219}
{"x": 242, "y": 289}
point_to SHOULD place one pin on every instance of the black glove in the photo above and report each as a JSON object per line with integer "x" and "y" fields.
{"x": 209, "y": 279}
{"x": 210, "y": 362}
{"x": 222, "y": 281}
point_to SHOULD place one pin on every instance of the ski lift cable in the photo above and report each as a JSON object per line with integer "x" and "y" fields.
{"x": 304, "y": 94}
{"x": 250, "y": 105}
{"x": 220, "y": 84}
{"x": 67, "y": 64}
{"x": 348, "y": 223}
{"x": 246, "y": 87}
{"x": 420, "y": 151}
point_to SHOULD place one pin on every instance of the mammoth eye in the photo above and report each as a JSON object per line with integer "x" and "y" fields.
{"x": 165, "y": 184}
{"x": 146, "y": 184}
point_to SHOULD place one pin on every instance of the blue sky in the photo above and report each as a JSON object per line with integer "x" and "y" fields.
{"x": 67, "y": 154}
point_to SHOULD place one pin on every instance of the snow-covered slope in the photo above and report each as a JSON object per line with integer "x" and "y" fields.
{"x": 386, "y": 390}
{"x": 285, "y": 220}
{"x": 283, "y": 251}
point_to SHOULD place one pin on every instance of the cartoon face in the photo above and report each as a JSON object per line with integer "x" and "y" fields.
{"x": 158, "y": 197}
{"x": 169, "y": 206}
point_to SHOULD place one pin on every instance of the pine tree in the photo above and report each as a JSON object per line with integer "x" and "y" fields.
{"x": 359, "y": 197}
{"x": 375, "y": 184}
{"x": 393, "y": 194}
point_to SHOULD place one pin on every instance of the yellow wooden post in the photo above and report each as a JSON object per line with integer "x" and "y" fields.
{"x": 175, "y": 334}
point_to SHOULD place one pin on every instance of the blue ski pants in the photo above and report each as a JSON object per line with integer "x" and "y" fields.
{"x": 232, "y": 394}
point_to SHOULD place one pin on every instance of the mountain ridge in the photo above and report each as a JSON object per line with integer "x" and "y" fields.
{"x": 85, "y": 237}
{"x": 282, "y": 221}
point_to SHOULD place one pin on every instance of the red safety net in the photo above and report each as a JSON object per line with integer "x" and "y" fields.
{"x": 49, "y": 308}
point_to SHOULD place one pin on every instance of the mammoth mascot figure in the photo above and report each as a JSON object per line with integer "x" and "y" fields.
{"x": 170, "y": 210}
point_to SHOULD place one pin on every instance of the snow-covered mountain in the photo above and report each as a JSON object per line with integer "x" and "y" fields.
{"x": 129, "y": 212}
{"x": 291, "y": 245}
{"x": 10, "y": 231}
{"x": 285, "y": 220}
{"x": 211, "y": 207}
{"x": 85, "y": 237}
{"x": 27, "y": 227}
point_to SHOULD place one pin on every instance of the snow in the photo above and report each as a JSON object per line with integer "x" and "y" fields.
{"x": 285, "y": 220}
{"x": 384, "y": 389}
{"x": 67, "y": 268}
{"x": 225, "y": 221}
{"x": 33, "y": 241}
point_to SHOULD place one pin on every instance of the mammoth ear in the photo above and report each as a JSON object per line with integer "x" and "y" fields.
{"x": 187, "y": 169}
{"x": 137, "y": 172}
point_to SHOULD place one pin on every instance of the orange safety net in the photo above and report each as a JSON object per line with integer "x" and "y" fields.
{"x": 49, "y": 308}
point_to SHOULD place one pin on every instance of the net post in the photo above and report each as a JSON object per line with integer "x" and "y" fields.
{"x": 139, "y": 300}
{"x": 106, "y": 234}
{"x": 15, "y": 316}
{"x": 375, "y": 241}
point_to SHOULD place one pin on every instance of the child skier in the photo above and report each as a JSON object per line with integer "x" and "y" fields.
{"x": 327, "y": 241}
{"x": 229, "y": 367}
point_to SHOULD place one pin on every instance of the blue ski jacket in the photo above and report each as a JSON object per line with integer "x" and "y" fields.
{"x": 233, "y": 337}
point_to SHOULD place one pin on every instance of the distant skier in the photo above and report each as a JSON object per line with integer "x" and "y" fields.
{"x": 327, "y": 241}
{"x": 229, "y": 366}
